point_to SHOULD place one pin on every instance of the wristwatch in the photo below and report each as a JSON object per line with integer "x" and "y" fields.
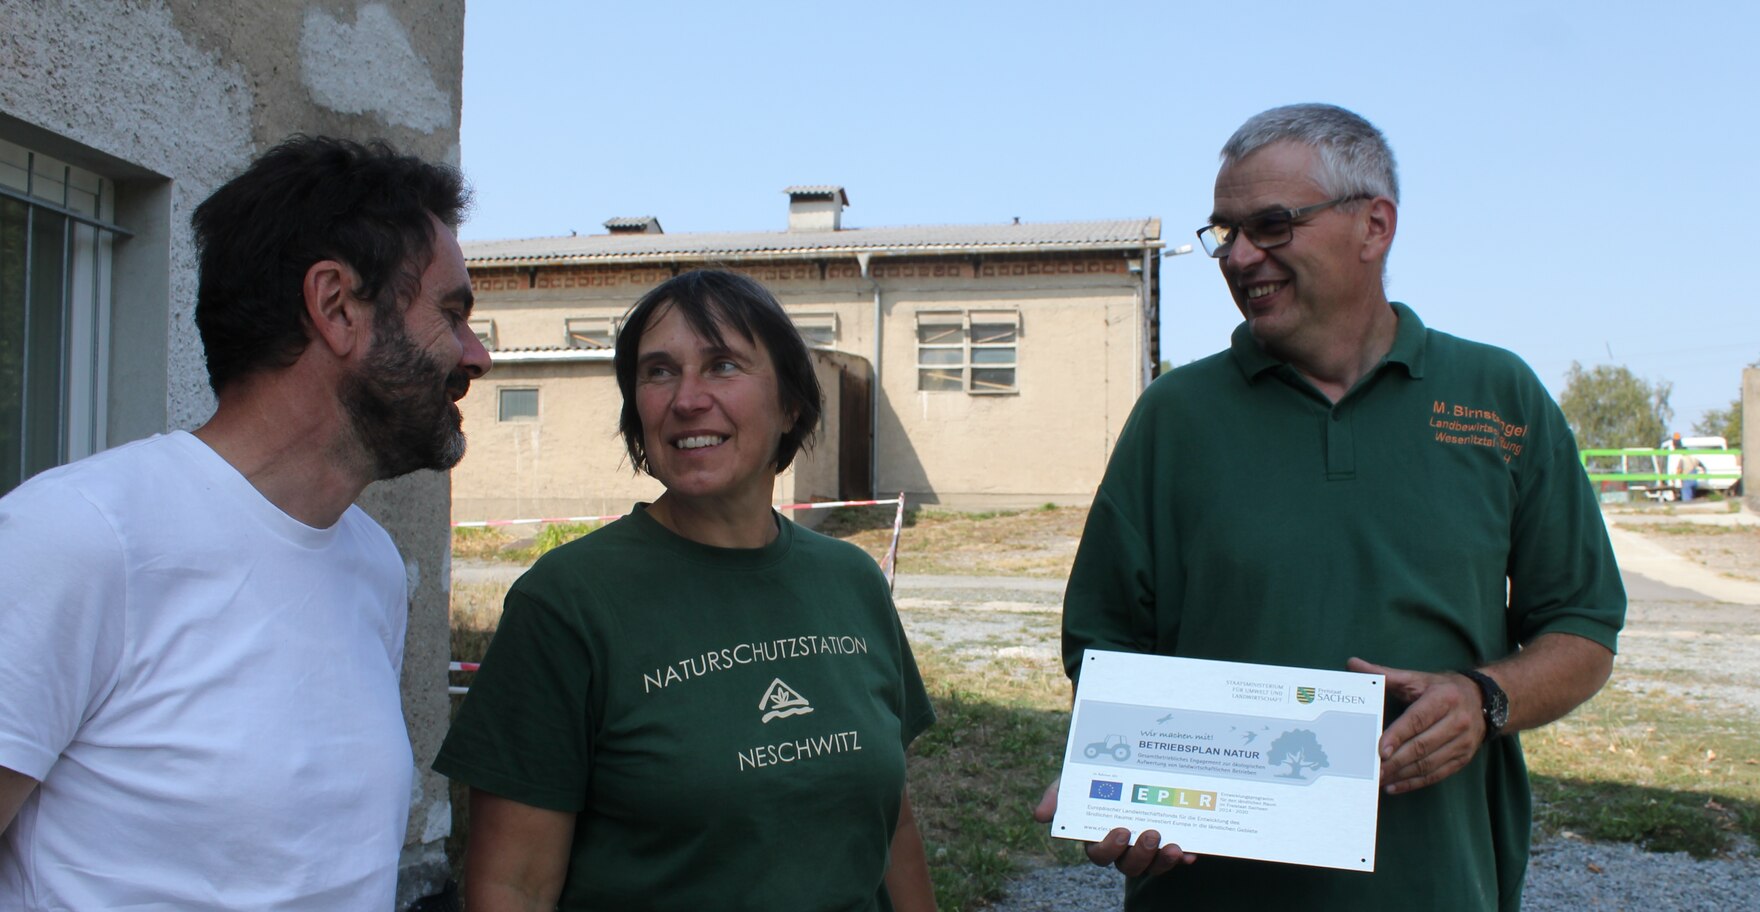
{"x": 1493, "y": 701}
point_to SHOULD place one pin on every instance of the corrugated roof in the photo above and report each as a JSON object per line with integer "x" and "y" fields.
{"x": 1032, "y": 237}
{"x": 815, "y": 190}
{"x": 546, "y": 353}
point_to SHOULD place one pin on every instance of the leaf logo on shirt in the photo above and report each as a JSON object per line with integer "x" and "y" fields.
{"x": 781, "y": 701}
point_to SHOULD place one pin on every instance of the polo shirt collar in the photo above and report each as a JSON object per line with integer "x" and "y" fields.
{"x": 1407, "y": 350}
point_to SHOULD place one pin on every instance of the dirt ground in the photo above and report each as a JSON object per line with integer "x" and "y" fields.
{"x": 1039, "y": 543}
{"x": 1733, "y": 551}
{"x": 1699, "y": 649}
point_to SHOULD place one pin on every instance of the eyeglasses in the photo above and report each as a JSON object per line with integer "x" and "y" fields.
{"x": 1266, "y": 230}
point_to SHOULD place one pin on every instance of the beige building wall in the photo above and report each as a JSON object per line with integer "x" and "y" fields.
{"x": 1046, "y": 442}
{"x": 1079, "y": 356}
{"x": 570, "y": 461}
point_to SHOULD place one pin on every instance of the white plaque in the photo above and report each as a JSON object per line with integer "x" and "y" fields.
{"x": 1225, "y": 758}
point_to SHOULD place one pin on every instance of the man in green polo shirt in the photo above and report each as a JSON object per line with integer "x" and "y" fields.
{"x": 1407, "y": 503}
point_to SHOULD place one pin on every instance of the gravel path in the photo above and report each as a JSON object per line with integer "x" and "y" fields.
{"x": 1564, "y": 875}
{"x": 1671, "y": 627}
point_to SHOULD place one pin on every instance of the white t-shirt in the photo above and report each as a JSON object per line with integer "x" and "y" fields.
{"x": 206, "y": 688}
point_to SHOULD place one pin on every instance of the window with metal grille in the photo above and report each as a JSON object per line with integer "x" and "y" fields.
{"x": 967, "y": 351}
{"x": 56, "y": 241}
{"x": 818, "y": 330}
{"x": 591, "y": 332}
{"x": 518, "y": 404}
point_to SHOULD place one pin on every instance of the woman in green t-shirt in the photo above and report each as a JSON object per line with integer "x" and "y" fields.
{"x": 701, "y": 705}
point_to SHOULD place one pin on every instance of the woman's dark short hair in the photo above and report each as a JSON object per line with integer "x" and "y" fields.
{"x": 712, "y": 301}
{"x": 306, "y": 200}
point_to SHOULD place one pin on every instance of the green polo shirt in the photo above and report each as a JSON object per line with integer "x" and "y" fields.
{"x": 1432, "y": 519}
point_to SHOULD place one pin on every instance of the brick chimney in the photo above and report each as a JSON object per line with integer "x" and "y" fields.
{"x": 638, "y": 224}
{"x": 818, "y": 208}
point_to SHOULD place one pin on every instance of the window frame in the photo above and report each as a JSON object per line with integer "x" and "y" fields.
{"x": 960, "y": 331}
{"x": 501, "y": 400}
{"x": 53, "y": 196}
{"x": 805, "y": 323}
{"x": 572, "y": 339}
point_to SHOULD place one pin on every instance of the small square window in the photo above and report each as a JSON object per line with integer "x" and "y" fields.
{"x": 519, "y": 404}
{"x": 817, "y": 330}
{"x": 591, "y": 332}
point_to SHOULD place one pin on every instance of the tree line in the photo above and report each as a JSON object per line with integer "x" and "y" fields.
{"x": 1609, "y": 407}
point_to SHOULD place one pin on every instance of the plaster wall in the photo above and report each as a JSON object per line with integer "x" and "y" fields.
{"x": 1046, "y": 442}
{"x": 571, "y": 460}
{"x": 170, "y": 98}
{"x": 1079, "y": 355}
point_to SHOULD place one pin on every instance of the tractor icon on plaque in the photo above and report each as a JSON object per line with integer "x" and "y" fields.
{"x": 1113, "y": 745}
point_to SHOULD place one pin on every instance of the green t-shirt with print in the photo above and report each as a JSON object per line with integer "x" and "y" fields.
{"x": 729, "y": 725}
{"x": 1432, "y": 519}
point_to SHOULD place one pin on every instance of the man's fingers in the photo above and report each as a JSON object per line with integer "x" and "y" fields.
{"x": 1428, "y": 770}
{"x": 1047, "y": 807}
{"x": 1147, "y": 858}
{"x": 1141, "y": 857}
{"x": 1362, "y": 667}
{"x": 1110, "y": 849}
{"x": 1403, "y": 684}
{"x": 1169, "y": 857}
{"x": 1432, "y": 755}
{"x": 1417, "y": 719}
{"x": 1432, "y": 740}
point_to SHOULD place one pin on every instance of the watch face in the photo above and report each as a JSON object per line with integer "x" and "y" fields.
{"x": 1497, "y": 710}
{"x": 1494, "y": 702}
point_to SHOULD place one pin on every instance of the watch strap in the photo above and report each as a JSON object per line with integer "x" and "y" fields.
{"x": 1493, "y": 702}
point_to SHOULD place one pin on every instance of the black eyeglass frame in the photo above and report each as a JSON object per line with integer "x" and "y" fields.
{"x": 1259, "y": 229}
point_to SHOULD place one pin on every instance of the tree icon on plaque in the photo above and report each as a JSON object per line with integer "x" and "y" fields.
{"x": 1299, "y": 749}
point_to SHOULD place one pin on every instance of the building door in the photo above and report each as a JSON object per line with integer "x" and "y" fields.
{"x": 855, "y": 430}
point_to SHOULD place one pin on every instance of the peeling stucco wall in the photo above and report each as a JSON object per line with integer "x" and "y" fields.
{"x": 123, "y": 79}
{"x": 171, "y": 98}
{"x": 369, "y": 67}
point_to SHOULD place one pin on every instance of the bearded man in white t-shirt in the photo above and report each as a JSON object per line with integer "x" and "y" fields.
{"x": 203, "y": 635}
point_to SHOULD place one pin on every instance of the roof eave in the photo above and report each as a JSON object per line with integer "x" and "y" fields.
{"x": 807, "y": 253}
{"x": 550, "y": 357}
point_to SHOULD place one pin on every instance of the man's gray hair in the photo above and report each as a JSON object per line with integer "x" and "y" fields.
{"x": 1354, "y": 156}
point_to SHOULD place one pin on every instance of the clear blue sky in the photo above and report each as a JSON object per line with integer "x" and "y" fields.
{"x": 1578, "y": 179}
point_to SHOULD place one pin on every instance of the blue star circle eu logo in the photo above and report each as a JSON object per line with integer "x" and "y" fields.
{"x": 1107, "y": 791}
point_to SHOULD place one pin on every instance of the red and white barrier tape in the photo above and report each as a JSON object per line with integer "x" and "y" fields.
{"x": 888, "y": 562}
{"x": 486, "y": 523}
{"x": 482, "y": 524}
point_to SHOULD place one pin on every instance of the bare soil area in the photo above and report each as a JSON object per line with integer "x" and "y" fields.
{"x": 1731, "y": 550}
{"x": 1039, "y": 543}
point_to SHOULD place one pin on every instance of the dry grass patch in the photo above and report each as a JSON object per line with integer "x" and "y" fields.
{"x": 1733, "y": 551}
{"x": 480, "y": 542}
{"x": 1648, "y": 769}
{"x": 976, "y": 775}
{"x": 1037, "y": 543}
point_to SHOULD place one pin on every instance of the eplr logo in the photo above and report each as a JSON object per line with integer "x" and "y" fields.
{"x": 1168, "y": 796}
